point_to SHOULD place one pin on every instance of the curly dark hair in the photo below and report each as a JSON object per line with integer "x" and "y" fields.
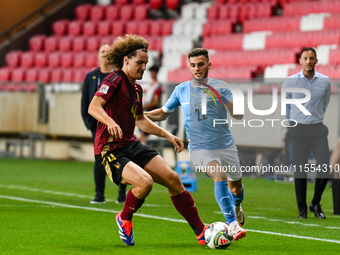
{"x": 122, "y": 47}
{"x": 198, "y": 52}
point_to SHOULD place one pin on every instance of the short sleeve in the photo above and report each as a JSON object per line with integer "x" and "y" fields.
{"x": 227, "y": 94}
{"x": 106, "y": 90}
{"x": 172, "y": 102}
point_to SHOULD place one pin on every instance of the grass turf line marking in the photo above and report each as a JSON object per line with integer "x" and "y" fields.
{"x": 287, "y": 222}
{"x": 66, "y": 194}
{"x": 158, "y": 217}
{"x": 292, "y": 222}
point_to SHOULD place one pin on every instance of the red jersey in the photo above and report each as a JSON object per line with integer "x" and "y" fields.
{"x": 122, "y": 106}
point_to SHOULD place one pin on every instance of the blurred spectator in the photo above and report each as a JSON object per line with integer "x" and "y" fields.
{"x": 91, "y": 84}
{"x": 152, "y": 97}
{"x": 335, "y": 161}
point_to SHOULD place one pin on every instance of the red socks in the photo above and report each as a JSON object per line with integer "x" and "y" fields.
{"x": 132, "y": 204}
{"x": 185, "y": 205}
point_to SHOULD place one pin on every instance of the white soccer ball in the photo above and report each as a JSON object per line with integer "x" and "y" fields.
{"x": 218, "y": 235}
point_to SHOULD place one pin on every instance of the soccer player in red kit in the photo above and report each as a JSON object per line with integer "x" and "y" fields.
{"x": 118, "y": 107}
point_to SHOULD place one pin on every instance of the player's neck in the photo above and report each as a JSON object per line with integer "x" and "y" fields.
{"x": 309, "y": 74}
{"x": 200, "y": 81}
{"x": 103, "y": 69}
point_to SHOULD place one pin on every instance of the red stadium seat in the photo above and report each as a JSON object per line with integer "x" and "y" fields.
{"x": 167, "y": 27}
{"x": 91, "y": 60}
{"x": 97, "y": 12}
{"x": 79, "y": 74}
{"x": 51, "y": 43}
{"x": 75, "y": 27}
{"x": 29, "y": 87}
{"x": 332, "y": 21}
{"x": 65, "y": 43}
{"x": 56, "y": 75}
{"x": 44, "y": 75}
{"x": 118, "y": 28}
{"x": 235, "y": 41}
{"x": 66, "y": 59}
{"x": 131, "y": 27}
{"x": 179, "y": 75}
{"x": 59, "y": 27}
{"x": 10, "y": 87}
{"x": 68, "y": 75}
{"x": 31, "y": 74}
{"x": 159, "y": 43}
{"x": 126, "y": 12}
{"x": 79, "y": 59}
{"x": 156, "y": 4}
{"x": 54, "y": 59}
{"x": 27, "y": 59}
{"x": 79, "y": 43}
{"x": 224, "y": 11}
{"x": 104, "y": 28}
{"x": 121, "y": 2}
{"x": 83, "y": 11}
{"x": 141, "y": 12}
{"x": 5, "y": 74}
{"x": 156, "y": 27}
{"x": 220, "y": 27}
{"x": 18, "y": 74}
{"x": 152, "y": 42}
{"x": 36, "y": 43}
{"x": 234, "y": 10}
{"x": 213, "y": 12}
{"x": 334, "y": 56}
{"x": 106, "y": 40}
{"x": 90, "y": 28}
{"x": 13, "y": 58}
{"x": 264, "y": 10}
{"x": 138, "y": 2}
{"x": 40, "y": 59}
{"x": 112, "y": 12}
{"x": 172, "y": 4}
{"x": 143, "y": 27}
{"x": 92, "y": 43}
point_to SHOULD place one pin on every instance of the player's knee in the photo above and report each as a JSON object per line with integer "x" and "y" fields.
{"x": 174, "y": 180}
{"x": 145, "y": 184}
{"x": 236, "y": 190}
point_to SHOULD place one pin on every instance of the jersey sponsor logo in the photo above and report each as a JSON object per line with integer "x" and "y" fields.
{"x": 104, "y": 89}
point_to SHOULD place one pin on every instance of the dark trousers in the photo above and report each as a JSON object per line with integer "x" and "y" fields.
{"x": 100, "y": 176}
{"x": 306, "y": 138}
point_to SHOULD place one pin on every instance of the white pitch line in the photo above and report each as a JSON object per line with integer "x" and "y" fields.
{"x": 68, "y": 194}
{"x": 158, "y": 217}
{"x": 292, "y": 222}
{"x": 294, "y": 236}
{"x": 287, "y": 222}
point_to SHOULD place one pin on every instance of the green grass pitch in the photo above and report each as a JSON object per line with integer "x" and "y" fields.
{"x": 45, "y": 209}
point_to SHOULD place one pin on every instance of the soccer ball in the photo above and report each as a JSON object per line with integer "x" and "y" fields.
{"x": 218, "y": 235}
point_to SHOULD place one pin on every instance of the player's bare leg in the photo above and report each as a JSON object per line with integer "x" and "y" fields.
{"x": 182, "y": 200}
{"x": 225, "y": 198}
{"x": 141, "y": 183}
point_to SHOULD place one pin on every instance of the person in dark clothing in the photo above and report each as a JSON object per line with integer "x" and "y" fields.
{"x": 91, "y": 84}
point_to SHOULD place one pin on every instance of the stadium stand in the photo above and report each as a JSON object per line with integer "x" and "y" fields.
{"x": 242, "y": 36}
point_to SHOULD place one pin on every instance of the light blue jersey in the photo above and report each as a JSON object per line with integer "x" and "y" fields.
{"x": 200, "y": 128}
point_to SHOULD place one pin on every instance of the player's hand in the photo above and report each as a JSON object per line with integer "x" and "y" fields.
{"x": 114, "y": 129}
{"x": 177, "y": 143}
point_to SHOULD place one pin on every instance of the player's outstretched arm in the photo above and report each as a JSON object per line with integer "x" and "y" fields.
{"x": 96, "y": 109}
{"x": 157, "y": 114}
{"x": 230, "y": 108}
{"x": 148, "y": 126}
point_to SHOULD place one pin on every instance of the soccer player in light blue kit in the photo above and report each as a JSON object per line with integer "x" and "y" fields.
{"x": 212, "y": 148}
